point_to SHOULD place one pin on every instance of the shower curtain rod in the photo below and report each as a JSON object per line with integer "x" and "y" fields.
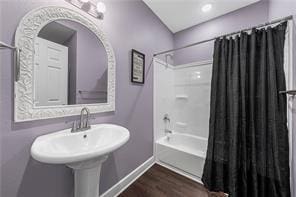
{"x": 229, "y": 34}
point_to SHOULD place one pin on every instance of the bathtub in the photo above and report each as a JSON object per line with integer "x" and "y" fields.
{"x": 184, "y": 152}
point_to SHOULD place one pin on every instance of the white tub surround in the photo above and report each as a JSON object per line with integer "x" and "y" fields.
{"x": 183, "y": 151}
{"x": 183, "y": 93}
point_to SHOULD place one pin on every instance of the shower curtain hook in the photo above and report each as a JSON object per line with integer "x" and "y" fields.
{"x": 166, "y": 58}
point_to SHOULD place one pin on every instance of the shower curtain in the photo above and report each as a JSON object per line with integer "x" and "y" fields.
{"x": 248, "y": 146}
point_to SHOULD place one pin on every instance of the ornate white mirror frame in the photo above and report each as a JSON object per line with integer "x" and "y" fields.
{"x": 27, "y": 31}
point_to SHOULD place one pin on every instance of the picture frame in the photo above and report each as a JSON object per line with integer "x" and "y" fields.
{"x": 138, "y": 67}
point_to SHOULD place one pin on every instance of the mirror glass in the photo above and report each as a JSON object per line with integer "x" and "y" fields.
{"x": 70, "y": 66}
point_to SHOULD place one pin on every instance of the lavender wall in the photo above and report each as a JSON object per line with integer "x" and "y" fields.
{"x": 128, "y": 24}
{"x": 235, "y": 21}
{"x": 1, "y": 115}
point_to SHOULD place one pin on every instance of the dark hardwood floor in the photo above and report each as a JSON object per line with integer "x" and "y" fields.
{"x": 161, "y": 182}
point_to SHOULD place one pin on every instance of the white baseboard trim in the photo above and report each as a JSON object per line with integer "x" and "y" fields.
{"x": 129, "y": 179}
{"x": 178, "y": 171}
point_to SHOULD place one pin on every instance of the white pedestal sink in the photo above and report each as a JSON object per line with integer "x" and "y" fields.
{"x": 83, "y": 151}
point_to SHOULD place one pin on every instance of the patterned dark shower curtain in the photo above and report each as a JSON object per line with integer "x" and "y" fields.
{"x": 248, "y": 147}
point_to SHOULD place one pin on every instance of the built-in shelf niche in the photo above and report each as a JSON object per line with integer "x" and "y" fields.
{"x": 182, "y": 96}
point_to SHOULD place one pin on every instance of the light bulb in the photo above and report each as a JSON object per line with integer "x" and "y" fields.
{"x": 206, "y": 8}
{"x": 84, "y": 1}
{"x": 101, "y": 8}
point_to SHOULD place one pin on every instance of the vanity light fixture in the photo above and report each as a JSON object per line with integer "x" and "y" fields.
{"x": 93, "y": 8}
{"x": 84, "y": 1}
{"x": 207, "y": 7}
{"x": 101, "y": 9}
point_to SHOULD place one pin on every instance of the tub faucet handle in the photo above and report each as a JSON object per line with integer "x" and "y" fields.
{"x": 166, "y": 118}
{"x": 167, "y": 131}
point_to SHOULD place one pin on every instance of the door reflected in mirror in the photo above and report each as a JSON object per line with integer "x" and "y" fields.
{"x": 70, "y": 66}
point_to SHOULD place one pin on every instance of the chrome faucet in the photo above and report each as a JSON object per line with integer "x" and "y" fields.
{"x": 84, "y": 122}
{"x": 167, "y": 121}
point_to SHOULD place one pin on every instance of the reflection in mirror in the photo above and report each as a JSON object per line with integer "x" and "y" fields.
{"x": 70, "y": 66}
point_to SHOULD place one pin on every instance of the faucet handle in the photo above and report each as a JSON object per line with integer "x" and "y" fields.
{"x": 89, "y": 120}
{"x": 87, "y": 124}
{"x": 74, "y": 127}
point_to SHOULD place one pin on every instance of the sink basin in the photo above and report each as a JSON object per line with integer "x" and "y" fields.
{"x": 64, "y": 147}
{"x": 83, "y": 151}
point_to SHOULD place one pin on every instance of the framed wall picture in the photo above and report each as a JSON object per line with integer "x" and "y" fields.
{"x": 138, "y": 67}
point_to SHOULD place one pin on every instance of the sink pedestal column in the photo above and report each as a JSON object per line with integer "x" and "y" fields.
{"x": 87, "y": 177}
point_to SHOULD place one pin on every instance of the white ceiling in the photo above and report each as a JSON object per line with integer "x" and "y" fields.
{"x": 178, "y": 15}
